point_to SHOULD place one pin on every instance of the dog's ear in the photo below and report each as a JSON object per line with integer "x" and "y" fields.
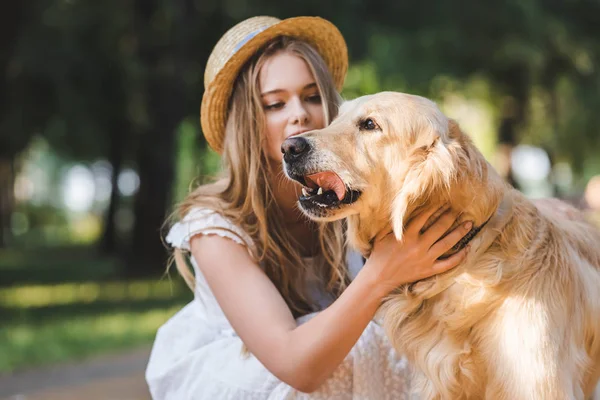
{"x": 431, "y": 169}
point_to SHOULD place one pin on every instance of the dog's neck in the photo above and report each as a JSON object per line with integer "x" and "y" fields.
{"x": 364, "y": 229}
{"x": 462, "y": 243}
{"x": 372, "y": 223}
{"x": 485, "y": 237}
{"x": 501, "y": 216}
{"x": 498, "y": 221}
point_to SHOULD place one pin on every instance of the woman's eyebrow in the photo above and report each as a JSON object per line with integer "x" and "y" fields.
{"x": 272, "y": 92}
{"x": 309, "y": 86}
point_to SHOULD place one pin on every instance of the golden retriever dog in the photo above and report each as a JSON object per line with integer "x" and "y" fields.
{"x": 520, "y": 317}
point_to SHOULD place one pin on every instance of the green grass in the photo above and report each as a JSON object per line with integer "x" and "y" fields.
{"x": 55, "y": 265}
{"x": 58, "y": 305}
{"x": 31, "y": 344}
{"x": 30, "y": 296}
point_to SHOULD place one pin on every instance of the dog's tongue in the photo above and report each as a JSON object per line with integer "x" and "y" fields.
{"x": 329, "y": 181}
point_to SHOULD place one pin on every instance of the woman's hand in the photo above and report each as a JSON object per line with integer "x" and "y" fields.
{"x": 395, "y": 263}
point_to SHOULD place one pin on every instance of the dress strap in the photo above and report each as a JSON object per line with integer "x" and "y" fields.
{"x": 203, "y": 221}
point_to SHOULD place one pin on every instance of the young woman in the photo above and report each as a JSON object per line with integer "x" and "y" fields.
{"x": 281, "y": 309}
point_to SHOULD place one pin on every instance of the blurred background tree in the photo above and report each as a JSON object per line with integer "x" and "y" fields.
{"x": 100, "y": 135}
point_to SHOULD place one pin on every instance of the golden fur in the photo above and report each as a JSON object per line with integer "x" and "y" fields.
{"x": 520, "y": 317}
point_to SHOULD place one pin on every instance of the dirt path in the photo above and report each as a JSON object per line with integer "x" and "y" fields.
{"x": 110, "y": 377}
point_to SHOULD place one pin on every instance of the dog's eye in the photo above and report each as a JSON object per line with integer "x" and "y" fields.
{"x": 368, "y": 125}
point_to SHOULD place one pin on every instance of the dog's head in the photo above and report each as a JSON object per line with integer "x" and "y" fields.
{"x": 385, "y": 157}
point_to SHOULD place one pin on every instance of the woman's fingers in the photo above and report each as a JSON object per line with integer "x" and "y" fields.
{"x": 450, "y": 262}
{"x": 450, "y": 240}
{"x": 440, "y": 227}
{"x": 416, "y": 225}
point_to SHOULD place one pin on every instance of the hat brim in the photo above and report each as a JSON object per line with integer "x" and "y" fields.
{"x": 322, "y": 34}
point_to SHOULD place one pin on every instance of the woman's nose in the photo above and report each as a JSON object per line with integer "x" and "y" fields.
{"x": 299, "y": 114}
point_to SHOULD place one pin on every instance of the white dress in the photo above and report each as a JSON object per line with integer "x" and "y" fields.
{"x": 197, "y": 354}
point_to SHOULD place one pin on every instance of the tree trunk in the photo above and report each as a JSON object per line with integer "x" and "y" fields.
{"x": 11, "y": 19}
{"x": 6, "y": 200}
{"x": 156, "y": 159}
{"x": 507, "y": 140}
{"x": 167, "y": 106}
{"x": 156, "y": 153}
{"x": 513, "y": 116}
{"x": 108, "y": 244}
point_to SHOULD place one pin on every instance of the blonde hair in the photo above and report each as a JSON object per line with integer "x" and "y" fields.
{"x": 245, "y": 197}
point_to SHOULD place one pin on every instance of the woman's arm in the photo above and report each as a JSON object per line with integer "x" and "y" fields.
{"x": 305, "y": 356}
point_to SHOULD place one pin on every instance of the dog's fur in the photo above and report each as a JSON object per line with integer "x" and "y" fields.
{"x": 520, "y": 317}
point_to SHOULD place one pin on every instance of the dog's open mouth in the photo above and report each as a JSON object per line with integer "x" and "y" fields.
{"x": 325, "y": 189}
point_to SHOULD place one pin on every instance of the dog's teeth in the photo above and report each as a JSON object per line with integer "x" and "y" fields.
{"x": 305, "y": 192}
{"x": 320, "y": 191}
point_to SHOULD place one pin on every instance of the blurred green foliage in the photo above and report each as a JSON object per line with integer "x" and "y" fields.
{"x": 116, "y": 85}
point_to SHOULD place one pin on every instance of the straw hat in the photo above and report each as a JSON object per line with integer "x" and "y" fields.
{"x": 241, "y": 42}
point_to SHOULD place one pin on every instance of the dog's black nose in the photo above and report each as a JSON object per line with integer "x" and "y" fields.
{"x": 294, "y": 147}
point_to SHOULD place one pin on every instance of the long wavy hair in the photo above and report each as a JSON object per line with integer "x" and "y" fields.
{"x": 245, "y": 196}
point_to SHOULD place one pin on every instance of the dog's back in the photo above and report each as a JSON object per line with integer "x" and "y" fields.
{"x": 577, "y": 249}
{"x": 521, "y": 320}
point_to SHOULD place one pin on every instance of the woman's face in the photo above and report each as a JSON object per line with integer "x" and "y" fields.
{"x": 291, "y": 100}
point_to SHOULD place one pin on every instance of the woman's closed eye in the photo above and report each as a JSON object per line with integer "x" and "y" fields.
{"x": 315, "y": 98}
{"x": 277, "y": 105}
{"x": 274, "y": 106}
